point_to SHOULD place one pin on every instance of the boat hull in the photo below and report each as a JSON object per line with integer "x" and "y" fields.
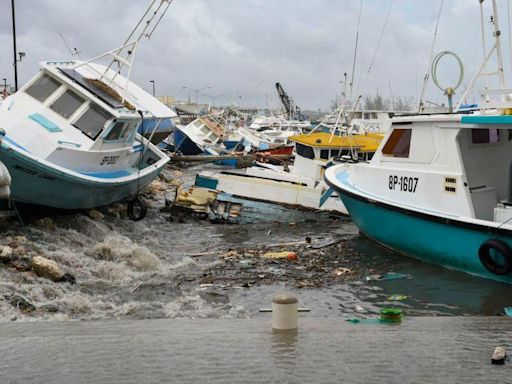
{"x": 35, "y": 183}
{"x": 184, "y": 144}
{"x": 449, "y": 244}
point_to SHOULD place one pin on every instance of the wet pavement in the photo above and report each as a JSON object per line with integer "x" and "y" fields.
{"x": 419, "y": 350}
{"x": 156, "y": 268}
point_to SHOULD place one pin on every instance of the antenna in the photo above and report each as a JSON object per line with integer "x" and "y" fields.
{"x": 74, "y": 52}
{"x": 124, "y": 55}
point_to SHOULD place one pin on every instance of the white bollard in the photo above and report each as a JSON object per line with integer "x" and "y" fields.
{"x": 284, "y": 312}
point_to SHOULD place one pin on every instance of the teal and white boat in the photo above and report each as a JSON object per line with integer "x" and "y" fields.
{"x": 69, "y": 136}
{"x": 439, "y": 188}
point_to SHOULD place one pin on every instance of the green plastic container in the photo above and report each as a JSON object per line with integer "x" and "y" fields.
{"x": 391, "y": 315}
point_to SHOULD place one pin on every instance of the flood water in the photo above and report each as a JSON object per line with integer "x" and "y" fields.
{"x": 150, "y": 270}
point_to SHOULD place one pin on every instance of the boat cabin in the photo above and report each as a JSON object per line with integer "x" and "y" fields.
{"x": 314, "y": 151}
{"x": 80, "y": 120}
{"x": 455, "y": 164}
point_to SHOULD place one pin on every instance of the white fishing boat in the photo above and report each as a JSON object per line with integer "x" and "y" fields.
{"x": 439, "y": 188}
{"x": 69, "y": 136}
{"x": 203, "y": 135}
{"x": 299, "y": 185}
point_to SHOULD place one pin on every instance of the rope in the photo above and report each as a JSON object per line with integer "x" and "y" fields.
{"x": 375, "y": 52}
{"x": 355, "y": 50}
{"x": 425, "y": 79}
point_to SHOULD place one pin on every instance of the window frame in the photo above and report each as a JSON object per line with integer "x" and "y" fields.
{"x": 39, "y": 79}
{"x": 389, "y": 149}
{"x": 71, "y": 91}
{"x": 92, "y": 106}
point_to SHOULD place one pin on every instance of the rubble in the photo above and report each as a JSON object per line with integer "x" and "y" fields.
{"x": 49, "y": 269}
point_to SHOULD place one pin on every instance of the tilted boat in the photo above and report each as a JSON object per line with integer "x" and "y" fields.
{"x": 203, "y": 135}
{"x": 68, "y": 137}
{"x": 299, "y": 185}
{"x": 439, "y": 187}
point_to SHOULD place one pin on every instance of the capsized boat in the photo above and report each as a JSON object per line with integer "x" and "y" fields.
{"x": 439, "y": 188}
{"x": 69, "y": 136}
{"x": 299, "y": 185}
{"x": 203, "y": 135}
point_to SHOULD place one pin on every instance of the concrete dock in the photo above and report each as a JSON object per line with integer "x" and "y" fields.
{"x": 419, "y": 350}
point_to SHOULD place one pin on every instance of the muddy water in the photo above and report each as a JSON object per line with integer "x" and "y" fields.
{"x": 150, "y": 269}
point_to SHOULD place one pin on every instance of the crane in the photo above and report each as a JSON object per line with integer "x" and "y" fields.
{"x": 291, "y": 110}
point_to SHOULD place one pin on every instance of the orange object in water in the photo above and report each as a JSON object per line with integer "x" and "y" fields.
{"x": 292, "y": 256}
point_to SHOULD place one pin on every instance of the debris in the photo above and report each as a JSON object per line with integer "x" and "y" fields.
{"x": 341, "y": 271}
{"x": 391, "y": 315}
{"x": 280, "y": 255}
{"x": 358, "y": 308}
{"x": 95, "y": 215}
{"x": 245, "y": 264}
{"x": 308, "y": 240}
{"x": 388, "y": 276}
{"x": 269, "y": 232}
{"x": 507, "y": 311}
{"x": 326, "y": 242}
{"x": 397, "y": 297}
{"x": 499, "y": 355}
{"x": 21, "y": 303}
{"x": 268, "y": 310}
{"x": 47, "y": 268}
{"x": 135, "y": 286}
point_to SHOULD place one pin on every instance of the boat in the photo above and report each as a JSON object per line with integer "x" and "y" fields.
{"x": 69, "y": 136}
{"x": 300, "y": 185}
{"x": 439, "y": 188}
{"x": 204, "y": 135}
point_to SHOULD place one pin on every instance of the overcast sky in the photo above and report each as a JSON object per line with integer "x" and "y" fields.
{"x": 244, "y": 46}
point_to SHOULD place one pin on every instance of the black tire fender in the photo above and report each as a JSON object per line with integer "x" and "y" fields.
{"x": 484, "y": 253}
{"x": 137, "y": 209}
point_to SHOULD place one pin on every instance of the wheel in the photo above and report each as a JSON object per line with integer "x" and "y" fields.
{"x": 137, "y": 209}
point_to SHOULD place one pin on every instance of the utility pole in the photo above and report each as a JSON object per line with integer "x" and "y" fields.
{"x": 14, "y": 47}
{"x": 153, "y": 82}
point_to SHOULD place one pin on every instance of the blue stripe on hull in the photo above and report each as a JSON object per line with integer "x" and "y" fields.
{"x": 446, "y": 245}
{"x": 183, "y": 144}
{"x": 36, "y": 184}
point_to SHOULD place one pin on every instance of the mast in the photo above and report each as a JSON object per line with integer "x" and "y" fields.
{"x": 124, "y": 55}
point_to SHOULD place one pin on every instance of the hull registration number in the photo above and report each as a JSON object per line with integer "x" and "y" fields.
{"x": 403, "y": 183}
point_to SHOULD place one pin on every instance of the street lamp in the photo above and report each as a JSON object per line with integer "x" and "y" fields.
{"x": 196, "y": 91}
{"x": 153, "y": 82}
{"x": 214, "y": 98}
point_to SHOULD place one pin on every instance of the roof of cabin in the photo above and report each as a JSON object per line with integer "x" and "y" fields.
{"x": 135, "y": 95}
{"x": 366, "y": 143}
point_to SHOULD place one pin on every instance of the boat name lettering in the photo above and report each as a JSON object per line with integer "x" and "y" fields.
{"x": 109, "y": 160}
{"x": 403, "y": 183}
{"x": 31, "y": 172}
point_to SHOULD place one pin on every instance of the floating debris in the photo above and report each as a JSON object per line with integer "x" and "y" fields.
{"x": 397, "y": 297}
{"x": 499, "y": 355}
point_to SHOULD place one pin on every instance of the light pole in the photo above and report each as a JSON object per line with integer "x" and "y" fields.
{"x": 14, "y": 47}
{"x": 153, "y": 82}
{"x": 214, "y": 98}
{"x": 5, "y": 84}
{"x": 196, "y": 91}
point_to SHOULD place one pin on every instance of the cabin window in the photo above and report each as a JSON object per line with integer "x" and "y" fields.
{"x": 399, "y": 143}
{"x": 119, "y": 131}
{"x": 485, "y": 136}
{"x": 335, "y": 153}
{"x": 324, "y": 154}
{"x": 205, "y": 130}
{"x": 304, "y": 151}
{"x": 43, "y": 88}
{"x": 67, "y": 104}
{"x": 92, "y": 121}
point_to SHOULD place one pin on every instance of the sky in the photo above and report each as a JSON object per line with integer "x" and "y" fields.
{"x": 241, "y": 48}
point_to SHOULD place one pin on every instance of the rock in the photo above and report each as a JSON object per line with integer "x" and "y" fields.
{"x": 6, "y": 253}
{"x": 20, "y": 265}
{"x": 20, "y": 239}
{"x": 95, "y": 215}
{"x": 47, "y": 268}
{"x": 46, "y": 223}
{"x": 156, "y": 186}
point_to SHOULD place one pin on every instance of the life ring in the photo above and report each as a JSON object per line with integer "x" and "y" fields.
{"x": 137, "y": 209}
{"x": 487, "y": 260}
